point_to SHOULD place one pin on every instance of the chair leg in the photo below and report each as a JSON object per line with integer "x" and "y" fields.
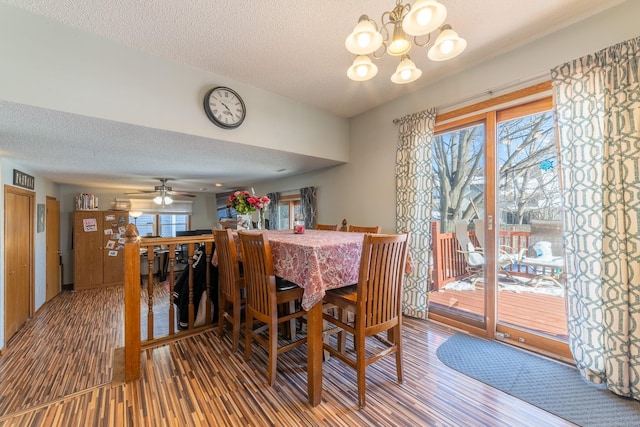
{"x": 397, "y": 339}
{"x": 273, "y": 350}
{"x": 221, "y": 311}
{"x": 292, "y": 322}
{"x": 248, "y": 335}
{"x": 361, "y": 370}
{"x": 343, "y": 315}
{"x": 236, "y": 327}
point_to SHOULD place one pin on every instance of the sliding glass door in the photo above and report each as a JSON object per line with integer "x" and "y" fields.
{"x": 497, "y": 246}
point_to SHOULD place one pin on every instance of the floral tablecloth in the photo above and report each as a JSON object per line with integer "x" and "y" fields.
{"x": 316, "y": 260}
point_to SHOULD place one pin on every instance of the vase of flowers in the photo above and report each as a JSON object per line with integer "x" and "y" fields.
{"x": 245, "y": 204}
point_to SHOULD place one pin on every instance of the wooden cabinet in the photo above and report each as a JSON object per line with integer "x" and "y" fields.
{"x": 98, "y": 257}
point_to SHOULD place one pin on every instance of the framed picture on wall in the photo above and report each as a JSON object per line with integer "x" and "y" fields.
{"x": 40, "y": 223}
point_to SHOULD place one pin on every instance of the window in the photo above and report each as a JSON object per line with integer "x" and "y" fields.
{"x": 160, "y": 225}
{"x": 288, "y": 208}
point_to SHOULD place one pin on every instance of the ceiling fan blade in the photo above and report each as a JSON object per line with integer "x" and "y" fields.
{"x": 180, "y": 193}
{"x": 143, "y": 192}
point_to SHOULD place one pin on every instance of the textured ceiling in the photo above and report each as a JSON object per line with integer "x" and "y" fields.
{"x": 276, "y": 45}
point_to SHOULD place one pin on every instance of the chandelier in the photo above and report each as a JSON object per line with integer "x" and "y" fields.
{"x": 404, "y": 20}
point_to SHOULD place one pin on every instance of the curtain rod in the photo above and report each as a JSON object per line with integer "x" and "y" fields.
{"x": 489, "y": 92}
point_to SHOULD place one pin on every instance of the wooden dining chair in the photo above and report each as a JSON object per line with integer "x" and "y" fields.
{"x": 376, "y": 301}
{"x": 330, "y": 227}
{"x": 264, "y": 295}
{"x": 363, "y": 229}
{"x": 230, "y": 285}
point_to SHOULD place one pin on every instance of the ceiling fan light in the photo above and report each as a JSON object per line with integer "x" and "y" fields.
{"x": 365, "y": 38}
{"x": 157, "y": 200}
{"x": 168, "y": 200}
{"x": 406, "y": 72}
{"x": 424, "y": 17}
{"x": 362, "y": 69}
{"x": 399, "y": 45}
{"x": 448, "y": 45}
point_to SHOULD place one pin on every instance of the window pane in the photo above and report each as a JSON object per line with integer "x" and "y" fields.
{"x": 145, "y": 224}
{"x": 169, "y": 224}
{"x": 283, "y": 210}
{"x": 458, "y": 199}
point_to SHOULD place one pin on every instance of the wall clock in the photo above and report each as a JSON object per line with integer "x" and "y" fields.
{"x": 224, "y": 107}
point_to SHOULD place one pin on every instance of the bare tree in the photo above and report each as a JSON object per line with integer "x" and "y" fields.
{"x": 526, "y": 185}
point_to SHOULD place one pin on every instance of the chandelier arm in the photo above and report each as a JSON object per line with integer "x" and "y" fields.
{"x": 418, "y": 44}
{"x": 384, "y": 51}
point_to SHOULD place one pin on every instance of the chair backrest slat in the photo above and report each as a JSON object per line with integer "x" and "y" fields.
{"x": 365, "y": 229}
{"x": 258, "y": 273}
{"x": 228, "y": 268}
{"x": 329, "y": 227}
{"x": 381, "y": 279}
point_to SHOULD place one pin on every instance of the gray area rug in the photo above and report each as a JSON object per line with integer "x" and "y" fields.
{"x": 552, "y": 386}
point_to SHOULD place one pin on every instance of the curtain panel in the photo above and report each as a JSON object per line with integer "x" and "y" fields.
{"x": 414, "y": 189}
{"x": 309, "y": 206}
{"x": 597, "y": 101}
{"x": 274, "y": 212}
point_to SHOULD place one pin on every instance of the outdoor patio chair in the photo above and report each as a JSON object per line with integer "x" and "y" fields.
{"x": 544, "y": 254}
{"x": 507, "y": 256}
{"x": 473, "y": 256}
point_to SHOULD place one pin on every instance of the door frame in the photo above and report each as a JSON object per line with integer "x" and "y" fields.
{"x": 50, "y": 225}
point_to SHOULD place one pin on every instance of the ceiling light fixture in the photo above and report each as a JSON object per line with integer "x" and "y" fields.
{"x": 416, "y": 20}
{"x": 162, "y": 200}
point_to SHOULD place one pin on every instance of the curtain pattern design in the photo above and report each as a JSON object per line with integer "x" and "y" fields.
{"x": 598, "y": 114}
{"x": 308, "y": 205}
{"x": 414, "y": 188}
{"x": 274, "y": 212}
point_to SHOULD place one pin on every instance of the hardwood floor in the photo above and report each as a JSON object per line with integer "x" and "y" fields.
{"x": 57, "y": 371}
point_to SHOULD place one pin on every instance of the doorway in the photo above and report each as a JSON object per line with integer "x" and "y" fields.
{"x": 19, "y": 208}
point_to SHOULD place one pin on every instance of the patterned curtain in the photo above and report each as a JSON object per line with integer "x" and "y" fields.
{"x": 598, "y": 114}
{"x": 414, "y": 188}
{"x": 274, "y": 213}
{"x": 308, "y": 205}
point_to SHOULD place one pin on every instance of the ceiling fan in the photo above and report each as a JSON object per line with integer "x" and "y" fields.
{"x": 164, "y": 193}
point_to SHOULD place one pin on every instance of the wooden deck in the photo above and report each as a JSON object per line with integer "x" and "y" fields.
{"x": 535, "y": 312}
{"x": 57, "y": 369}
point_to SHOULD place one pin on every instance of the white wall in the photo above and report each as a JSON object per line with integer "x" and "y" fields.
{"x": 363, "y": 191}
{"x": 43, "y": 188}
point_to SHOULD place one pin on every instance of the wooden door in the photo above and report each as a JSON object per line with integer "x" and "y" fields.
{"x": 87, "y": 249}
{"x": 18, "y": 229}
{"x": 52, "y": 227}
{"x": 113, "y": 253}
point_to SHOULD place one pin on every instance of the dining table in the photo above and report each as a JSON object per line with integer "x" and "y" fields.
{"x": 316, "y": 260}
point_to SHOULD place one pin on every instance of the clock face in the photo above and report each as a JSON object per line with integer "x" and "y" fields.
{"x": 224, "y": 107}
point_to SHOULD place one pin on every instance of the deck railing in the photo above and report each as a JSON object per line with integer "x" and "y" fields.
{"x": 449, "y": 264}
{"x": 135, "y": 249}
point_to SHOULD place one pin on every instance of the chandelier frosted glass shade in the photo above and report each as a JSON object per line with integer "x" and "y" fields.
{"x": 365, "y": 38}
{"x": 424, "y": 17}
{"x": 406, "y": 72}
{"x": 448, "y": 45}
{"x": 362, "y": 69}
